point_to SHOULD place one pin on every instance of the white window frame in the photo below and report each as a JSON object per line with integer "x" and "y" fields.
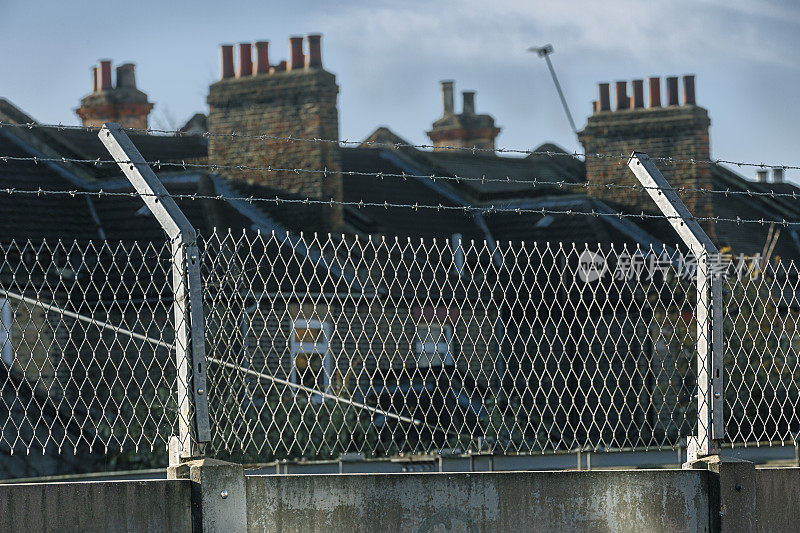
{"x": 430, "y": 353}
{"x": 319, "y": 347}
{"x": 6, "y": 320}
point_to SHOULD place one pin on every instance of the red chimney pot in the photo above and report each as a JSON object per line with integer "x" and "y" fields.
{"x": 638, "y": 94}
{"x": 623, "y": 102}
{"x": 296, "y": 57}
{"x": 105, "y": 74}
{"x": 245, "y": 60}
{"x": 688, "y": 90}
{"x": 95, "y": 81}
{"x": 605, "y": 99}
{"x": 227, "y": 61}
{"x": 655, "y": 92}
{"x": 314, "y": 58}
{"x": 672, "y": 90}
{"x": 262, "y": 57}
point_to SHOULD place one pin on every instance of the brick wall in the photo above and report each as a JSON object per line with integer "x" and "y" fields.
{"x": 282, "y": 102}
{"x": 677, "y": 131}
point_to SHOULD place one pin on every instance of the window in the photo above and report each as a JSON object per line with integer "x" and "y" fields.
{"x": 311, "y": 361}
{"x": 6, "y": 350}
{"x": 434, "y": 344}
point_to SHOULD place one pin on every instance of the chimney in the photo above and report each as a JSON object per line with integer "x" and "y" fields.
{"x": 762, "y": 176}
{"x": 655, "y": 92}
{"x": 777, "y": 175}
{"x": 465, "y": 129}
{"x": 284, "y": 104}
{"x": 672, "y": 90}
{"x": 105, "y": 74}
{"x": 123, "y": 103}
{"x": 605, "y": 99}
{"x": 296, "y": 58}
{"x": 126, "y": 77}
{"x": 447, "y": 98}
{"x": 314, "y": 58}
{"x": 245, "y": 60}
{"x": 227, "y": 61}
{"x": 675, "y": 130}
{"x": 262, "y": 57}
{"x": 638, "y": 94}
{"x": 469, "y": 102}
{"x": 623, "y": 102}
{"x": 688, "y": 90}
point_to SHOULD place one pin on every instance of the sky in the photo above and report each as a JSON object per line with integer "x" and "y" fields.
{"x": 389, "y": 57}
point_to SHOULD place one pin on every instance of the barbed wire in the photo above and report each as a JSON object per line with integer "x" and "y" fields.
{"x": 392, "y": 205}
{"x": 396, "y": 145}
{"x": 532, "y": 182}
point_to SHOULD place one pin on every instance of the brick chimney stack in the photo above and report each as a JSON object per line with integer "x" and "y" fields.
{"x": 289, "y": 99}
{"x": 123, "y": 103}
{"x": 465, "y": 129}
{"x": 675, "y": 130}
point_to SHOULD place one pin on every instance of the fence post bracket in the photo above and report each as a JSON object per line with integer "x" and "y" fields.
{"x": 192, "y": 392}
{"x": 710, "y": 394}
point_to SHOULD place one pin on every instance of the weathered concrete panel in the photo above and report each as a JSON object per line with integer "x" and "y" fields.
{"x": 219, "y": 496}
{"x": 655, "y": 500}
{"x": 778, "y": 499}
{"x": 96, "y": 506}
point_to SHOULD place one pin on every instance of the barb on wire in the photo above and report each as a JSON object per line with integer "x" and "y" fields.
{"x": 396, "y": 145}
{"x": 532, "y": 182}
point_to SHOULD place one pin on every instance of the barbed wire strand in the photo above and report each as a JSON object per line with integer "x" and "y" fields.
{"x": 396, "y": 145}
{"x": 391, "y": 205}
{"x": 533, "y": 182}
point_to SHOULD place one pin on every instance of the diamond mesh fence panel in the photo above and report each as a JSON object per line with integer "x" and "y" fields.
{"x": 87, "y": 346}
{"x": 319, "y": 345}
{"x": 762, "y": 372}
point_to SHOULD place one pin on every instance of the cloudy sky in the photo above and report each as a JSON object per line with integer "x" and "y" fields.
{"x": 389, "y": 57}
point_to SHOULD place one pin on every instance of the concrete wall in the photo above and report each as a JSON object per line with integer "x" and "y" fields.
{"x": 96, "y": 506}
{"x": 778, "y": 499}
{"x": 663, "y": 500}
{"x": 210, "y": 495}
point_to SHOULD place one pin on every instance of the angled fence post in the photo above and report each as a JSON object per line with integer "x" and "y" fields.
{"x": 193, "y": 423}
{"x": 710, "y": 422}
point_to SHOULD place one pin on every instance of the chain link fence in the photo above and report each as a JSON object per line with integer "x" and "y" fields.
{"x": 87, "y": 346}
{"x": 321, "y": 345}
{"x": 762, "y": 345}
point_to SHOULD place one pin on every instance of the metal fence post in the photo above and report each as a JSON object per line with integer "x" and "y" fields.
{"x": 710, "y": 422}
{"x": 193, "y": 424}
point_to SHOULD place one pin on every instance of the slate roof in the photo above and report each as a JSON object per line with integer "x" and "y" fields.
{"x": 402, "y": 222}
{"x": 541, "y": 171}
{"x": 38, "y": 217}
